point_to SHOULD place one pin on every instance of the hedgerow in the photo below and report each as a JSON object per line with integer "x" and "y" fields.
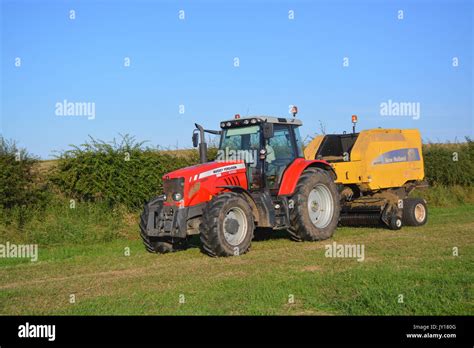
{"x": 449, "y": 164}
{"x": 20, "y": 184}
{"x": 119, "y": 172}
{"x": 17, "y": 175}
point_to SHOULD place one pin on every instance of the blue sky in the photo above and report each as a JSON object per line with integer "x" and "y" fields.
{"x": 190, "y": 62}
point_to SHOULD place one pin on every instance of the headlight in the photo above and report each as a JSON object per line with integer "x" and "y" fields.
{"x": 177, "y": 196}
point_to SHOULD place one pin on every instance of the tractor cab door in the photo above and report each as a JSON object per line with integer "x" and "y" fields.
{"x": 282, "y": 149}
{"x": 244, "y": 143}
{"x": 251, "y": 147}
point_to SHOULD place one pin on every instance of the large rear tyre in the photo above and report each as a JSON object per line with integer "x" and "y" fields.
{"x": 415, "y": 212}
{"x": 227, "y": 226}
{"x": 316, "y": 210}
{"x": 157, "y": 244}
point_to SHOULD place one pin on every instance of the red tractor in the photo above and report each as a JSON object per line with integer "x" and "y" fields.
{"x": 259, "y": 179}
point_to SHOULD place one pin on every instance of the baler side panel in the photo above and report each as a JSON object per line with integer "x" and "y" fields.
{"x": 383, "y": 158}
{"x": 312, "y": 148}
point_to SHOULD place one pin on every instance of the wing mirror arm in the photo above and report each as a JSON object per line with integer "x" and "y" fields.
{"x": 198, "y": 135}
{"x": 202, "y": 144}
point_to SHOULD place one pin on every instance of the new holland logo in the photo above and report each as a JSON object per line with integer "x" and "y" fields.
{"x": 397, "y": 156}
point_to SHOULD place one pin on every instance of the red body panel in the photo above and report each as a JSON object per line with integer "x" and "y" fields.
{"x": 293, "y": 172}
{"x": 202, "y": 181}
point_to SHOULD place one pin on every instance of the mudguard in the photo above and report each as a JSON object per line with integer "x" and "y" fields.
{"x": 294, "y": 170}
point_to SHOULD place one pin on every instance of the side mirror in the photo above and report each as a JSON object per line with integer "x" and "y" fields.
{"x": 195, "y": 139}
{"x": 267, "y": 130}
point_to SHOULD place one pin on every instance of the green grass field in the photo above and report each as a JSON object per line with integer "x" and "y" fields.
{"x": 417, "y": 263}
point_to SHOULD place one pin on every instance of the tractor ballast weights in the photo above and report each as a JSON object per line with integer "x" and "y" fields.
{"x": 376, "y": 171}
{"x": 360, "y": 177}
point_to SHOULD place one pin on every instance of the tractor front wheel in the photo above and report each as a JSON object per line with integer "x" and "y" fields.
{"x": 227, "y": 225}
{"x": 315, "y": 214}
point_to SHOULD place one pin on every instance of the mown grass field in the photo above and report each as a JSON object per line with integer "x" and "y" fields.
{"x": 417, "y": 263}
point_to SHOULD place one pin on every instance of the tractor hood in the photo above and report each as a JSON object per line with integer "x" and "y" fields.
{"x": 198, "y": 184}
{"x": 200, "y": 171}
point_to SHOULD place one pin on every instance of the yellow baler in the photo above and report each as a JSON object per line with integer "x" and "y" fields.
{"x": 374, "y": 159}
{"x": 376, "y": 171}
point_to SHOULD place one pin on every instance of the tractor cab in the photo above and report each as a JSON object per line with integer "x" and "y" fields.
{"x": 267, "y": 145}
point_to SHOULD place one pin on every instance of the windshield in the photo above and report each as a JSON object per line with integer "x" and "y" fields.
{"x": 241, "y": 143}
{"x": 244, "y": 138}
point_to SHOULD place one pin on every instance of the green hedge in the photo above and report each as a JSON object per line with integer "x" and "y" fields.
{"x": 449, "y": 164}
{"x": 17, "y": 176}
{"x": 20, "y": 183}
{"x": 120, "y": 172}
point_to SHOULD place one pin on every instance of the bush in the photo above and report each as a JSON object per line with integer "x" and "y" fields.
{"x": 17, "y": 176}
{"x": 118, "y": 173}
{"x": 20, "y": 185}
{"x": 449, "y": 164}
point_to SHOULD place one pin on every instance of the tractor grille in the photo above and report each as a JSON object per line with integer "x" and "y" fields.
{"x": 171, "y": 186}
{"x": 232, "y": 180}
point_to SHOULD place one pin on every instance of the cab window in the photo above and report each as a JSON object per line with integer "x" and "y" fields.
{"x": 299, "y": 142}
{"x": 280, "y": 153}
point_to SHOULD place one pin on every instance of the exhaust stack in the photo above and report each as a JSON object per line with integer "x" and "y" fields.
{"x": 202, "y": 143}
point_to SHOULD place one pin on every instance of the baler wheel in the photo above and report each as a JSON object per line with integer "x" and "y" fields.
{"x": 395, "y": 223}
{"x": 415, "y": 212}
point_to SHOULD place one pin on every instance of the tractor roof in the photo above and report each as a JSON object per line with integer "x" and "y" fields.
{"x": 259, "y": 119}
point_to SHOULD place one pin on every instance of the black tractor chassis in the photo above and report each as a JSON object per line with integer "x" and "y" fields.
{"x": 169, "y": 221}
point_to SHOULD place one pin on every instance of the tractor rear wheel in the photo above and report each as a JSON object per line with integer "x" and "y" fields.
{"x": 415, "y": 212}
{"x": 157, "y": 244}
{"x": 227, "y": 225}
{"x": 315, "y": 214}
